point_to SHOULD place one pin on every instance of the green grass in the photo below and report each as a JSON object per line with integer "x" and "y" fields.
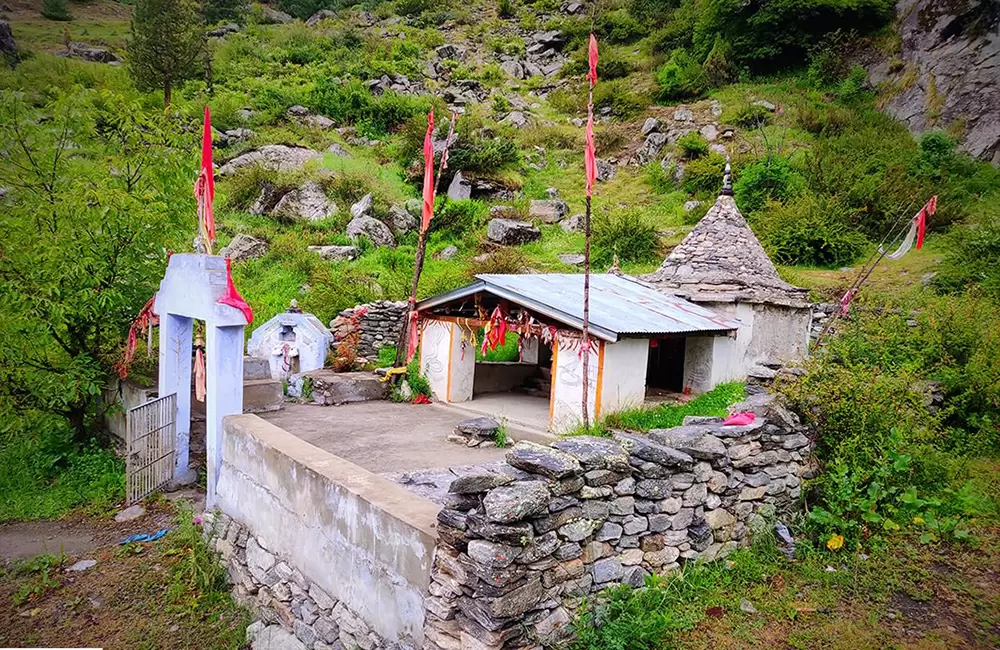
{"x": 714, "y": 403}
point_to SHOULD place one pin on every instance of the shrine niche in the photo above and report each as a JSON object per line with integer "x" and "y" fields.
{"x": 292, "y": 342}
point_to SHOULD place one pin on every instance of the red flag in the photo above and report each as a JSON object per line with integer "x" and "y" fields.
{"x": 428, "y": 172}
{"x": 589, "y": 161}
{"x": 927, "y": 211}
{"x": 412, "y": 336}
{"x": 204, "y": 187}
{"x": 592, "y": 74}
{"x": 232, "y": 297}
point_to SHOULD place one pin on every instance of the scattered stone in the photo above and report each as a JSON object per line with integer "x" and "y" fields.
{"x": 512, "y": 233}
{"x": 513, "y": 69}
{"x": 243, "y": 247}
{"x": 449, "y": 252}
{"x": 480, "y": 427}
{"x": 548, "y": 210}
{"x": 516, "y": 119}
{"x": 337, "y": 253}
{"x": 130, "y": 513}
{"x": 765, "y": 105}
{"x": 574, "y": 259}
{"x": 449, "y": 51}
{"x": 747, "y": 607}
{"x": 274, "y": 157}
{"x": 307, "y": 203}
{"x": 651, "y": 125}
{"x": 651, "y": 148}
{"x": 683, "y": 115}
{"x": 364, "y": 207}
{"x": 400, "y": 221}
{"x": 338, "y": 150}
{"x": 275, "y": 17}
{"x": 573, "y": 224}
{"x": 82, "y": 565}
{"x": 606, "y": 170}
{"x": 88, "y": 52}
{"x": 377, "y": 232}
{"x": 691, "y": 206}
{"x": 320, "y": 16}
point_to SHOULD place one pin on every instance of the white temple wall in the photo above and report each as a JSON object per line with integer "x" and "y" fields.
{"x": 448, "y": 361}
{"x": 566, "y": 399}
{"x": 621, "y": 378}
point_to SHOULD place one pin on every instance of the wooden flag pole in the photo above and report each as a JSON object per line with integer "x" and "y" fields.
{"x": 590, "y": 165}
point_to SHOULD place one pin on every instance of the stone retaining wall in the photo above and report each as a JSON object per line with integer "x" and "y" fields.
{"x": 335, "y": 554}
{"x": 378, "y": 327}
{"x": 519, "y": 549}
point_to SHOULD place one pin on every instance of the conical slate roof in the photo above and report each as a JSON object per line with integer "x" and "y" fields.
{"x": 722, "y": 261}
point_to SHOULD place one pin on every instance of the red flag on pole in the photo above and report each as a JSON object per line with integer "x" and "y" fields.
{"x": 428, "y": 172}
{"x": 204, "y": 187}
{"x": 926, "y": 211}
{"x": 590, "y": 162}
{"x": 232, "y": 297}
{"x": 592, "y": 54}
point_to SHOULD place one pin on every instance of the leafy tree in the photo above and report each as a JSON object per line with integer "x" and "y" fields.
{"x": 217, "y": 11}
{"x": 56, "y": 10}
{"x": 95, "y": 193}
{"x": 167, "y": 39}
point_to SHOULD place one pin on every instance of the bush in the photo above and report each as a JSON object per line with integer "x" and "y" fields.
{"x": 620, "y": 97}
{"x": 704, "y": 175}
{"x": 718, "y": 65}
{"x": 694, "y": 145}
{"x": 811, "y": 231}
{"x": 772, "y": 179}
{"x": 625, "y": 234}
{"x": 352, "y": 103}
{"x": 458, "y": 217}
{"x": 972, "y": 257}
{"x": 56, "y": 10}
{"x": 506, "y": 9}
{"x": 501, "y": 261}
{"x": 681, "y": 77}
{"x": 752, "y": 116}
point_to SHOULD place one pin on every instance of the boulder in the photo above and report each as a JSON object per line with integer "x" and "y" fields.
{"x": 651, "y": 125}
{"x": 516, "y": 119}
{"x": 651, "y": 148}
{"x": 374, "y": 230}
{"x": 479, "y": 427}
{"x": 548, "y": 210}
{"x": 511, "y": 233}
{"x": 266, "y": 200}
{"x": 89, "y": 52}
{"x": 363, "y": 208}
{"x": 338, "y": 150}
{"x": 606, "y": 170}
{"x": 223, "y": 30}
{"x": 7, "y": 44}
{"x": 513, "y": 69}
{"x": 573, "y": 224}
{"x": 448, "y": 253}
{"x": 320, "y": 16}
{"x": 275, "y": 157}
{"x": 574, "y": 259}
{"x": 244, "y": 247}
{"x": 459, "y": 189}
{"x": 336, "y": 253}
{"x": 239, "y": 135}
{"x": 307, "y": 203}
{"x": 766, "y": 105}
{"x": 275, "y": 17}
{"x": 400, "y": 220}
{"x": 308, "y": 119}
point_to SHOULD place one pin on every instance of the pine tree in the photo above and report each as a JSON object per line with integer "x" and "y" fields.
{"x": 167, "y": 38}
{"x": 56, "y": 10}
{"x": 218, "y": 11}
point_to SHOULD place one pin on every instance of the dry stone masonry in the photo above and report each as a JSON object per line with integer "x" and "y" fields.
{"x": 281, "y": 596}
{"x": 379, "y": 326}
{"x": 521, "y": 547}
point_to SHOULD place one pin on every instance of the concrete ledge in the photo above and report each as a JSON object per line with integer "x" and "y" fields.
{"x": 366, "y": 541}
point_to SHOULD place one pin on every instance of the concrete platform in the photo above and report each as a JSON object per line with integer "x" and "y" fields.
{"x": 386, "y": 437}
{"x": 516, "y": 409}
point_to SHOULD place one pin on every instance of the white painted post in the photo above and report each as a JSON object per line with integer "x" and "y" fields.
{"x": 175, "y": 377}
{"x": 463, "y": 366}
{"x": 224, "y": 388}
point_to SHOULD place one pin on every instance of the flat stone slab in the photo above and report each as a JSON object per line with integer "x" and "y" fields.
{"x": 331, "y": 388}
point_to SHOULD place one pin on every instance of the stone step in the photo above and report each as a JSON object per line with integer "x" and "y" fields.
{"x": 256, "y": 368}
{"x": 331, "y": 388}
{"x": 260, "y": 395}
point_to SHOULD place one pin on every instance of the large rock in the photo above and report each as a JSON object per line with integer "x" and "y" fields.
{"x": 363, "y": 208}
{"x": 266, "y": 200}
{"x": 573, "y": 224}
{"x": 7, "y": 44}
{"x": 479, "y": 427}
{"x": 90, "y": 53}
{"x": 513, "y": 69}
{"x": 320, "y": 16}
{"x": 476, "y": 483}
{"x": 950, "y": 73}
{"x": 649, "y": 450}
{"x": 307, "y": 118}
{"x": 307, "y": 203}
{"x": 400, "y": 220}
{"x": 511, "y": 232}
{"x": 606, "y": 170}
{"x": 337, "y": 253}
{"x": 541, "y": 459}
{"x": 275, "y": 17}
{"x": 692, "y": 441}
{"x": 243, "y": 247}
{"x": 377, "y": 232}
{"x": 594, "y": 452}
{"x": 516, "y": 502}
{"x": 548, "y": 210}
{"x": 516, "y": 119}
{"x": 651, "y": 148}
{"x": 651, "y": 125}
{"x": 275, "y": 157}
{"x": 459, "y": 189}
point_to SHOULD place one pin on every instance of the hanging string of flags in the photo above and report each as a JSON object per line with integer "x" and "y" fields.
{"x": 918, "y": 228}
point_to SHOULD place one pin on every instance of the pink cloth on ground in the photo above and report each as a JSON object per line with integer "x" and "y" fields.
{"x": 739, "y": 419}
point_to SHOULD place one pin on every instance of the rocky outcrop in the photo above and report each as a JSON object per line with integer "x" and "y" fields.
{"x": 244, "y": 247}
{"x": 948, "y": 71}
{"x": 548, "y": 210}
{"x": 372, "y": 229}
{"x": 7, "y": 44}
{"x": 87, "y": 52}
{"x": 511, "y": 233}
{"x": 308, "y": 119}
{"x": 307, "y": 203}
{"x": 275, "y": 157}
{"x": 274, "y": 17}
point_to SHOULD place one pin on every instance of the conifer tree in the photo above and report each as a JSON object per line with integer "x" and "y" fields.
{"x": 167, "y": 38}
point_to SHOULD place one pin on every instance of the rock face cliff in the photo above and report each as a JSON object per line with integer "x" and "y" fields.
{"x": 947, "y": 73}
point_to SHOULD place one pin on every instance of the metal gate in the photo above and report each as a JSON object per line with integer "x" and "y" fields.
{"x": 151, "y": 437}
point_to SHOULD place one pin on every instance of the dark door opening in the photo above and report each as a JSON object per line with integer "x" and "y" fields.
{"x": 665, "y": 366}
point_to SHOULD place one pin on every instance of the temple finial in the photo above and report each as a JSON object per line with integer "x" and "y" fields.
{"x": 727, "y": 179}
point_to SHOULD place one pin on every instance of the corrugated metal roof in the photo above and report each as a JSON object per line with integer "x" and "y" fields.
{"x": 619, "y": 305}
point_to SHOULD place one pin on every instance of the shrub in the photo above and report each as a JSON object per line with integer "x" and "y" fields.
{"x": 625, "y": 234}
{"x": 718, "y": 65}
{"x": 56, "y": 10}
{"x": 694, "y": 145}
{"x": 972, "y": 257}
{"x": 352, "y": 103}
{"x": 771, "y": 179}
{"x": 506, "y": 9}
{"x": 704, "y": 175}
{"x": 458, "y": 217}
{"x": 501, "y": 261}
{"x": 619, "y": 27}
{"x": 854, "y": 86}
{"x": 811, "y": 231}
{"x": 752, "y": 116}
{"x": 681, "y": 77}
{"x": 611, "y": 66}
{"x": 620, "y": 97}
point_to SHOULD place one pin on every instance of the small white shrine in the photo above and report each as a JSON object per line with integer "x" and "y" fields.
{"x": 292, "y": 342}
